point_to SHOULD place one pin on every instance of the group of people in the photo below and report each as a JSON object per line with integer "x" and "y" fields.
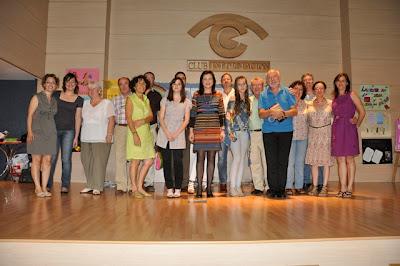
{"x": 288, "y": 136}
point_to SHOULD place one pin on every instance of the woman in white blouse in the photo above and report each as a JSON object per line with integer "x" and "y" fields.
{"x": 96, "y": 138}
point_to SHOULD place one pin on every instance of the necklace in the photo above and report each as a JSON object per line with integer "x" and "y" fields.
{"x": 320, "y": 101}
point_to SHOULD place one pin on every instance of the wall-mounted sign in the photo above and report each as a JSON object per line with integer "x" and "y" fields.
{"x": 228, "y": 65}
{"x": 375, "y": 97}
{"x": 224, "y": 28}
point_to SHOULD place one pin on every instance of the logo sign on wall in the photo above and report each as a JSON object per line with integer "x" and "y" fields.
{"x": 224, "y": 28}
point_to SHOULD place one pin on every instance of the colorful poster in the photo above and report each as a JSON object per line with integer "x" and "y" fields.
{"x": 375, "y": 97}
{"x": 85, "y": 76}
{"x": 111, "y": 89}
{"x": 376, "y": 124}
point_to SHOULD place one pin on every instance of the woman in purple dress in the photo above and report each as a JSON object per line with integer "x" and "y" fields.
{"x": 345, "y": 144}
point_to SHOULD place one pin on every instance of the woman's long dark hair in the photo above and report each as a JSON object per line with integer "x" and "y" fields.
{"x": 237, "y": 96}
{"x": 348, "y": 86}
{"x": 201, "y": 86}
{"x": 170, "y": 96}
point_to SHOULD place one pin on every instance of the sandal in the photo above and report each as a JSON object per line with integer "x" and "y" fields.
{"x": 348, "y": 195}
{"x": 323, "y": 192}
{"x": 340, "y": 194}
{"x": 313, "y": 191}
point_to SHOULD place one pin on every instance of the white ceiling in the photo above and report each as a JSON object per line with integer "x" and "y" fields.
{"x": 10, "y": 72}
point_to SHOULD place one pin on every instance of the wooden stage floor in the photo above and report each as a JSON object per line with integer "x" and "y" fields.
{"x": 374, "y": 212}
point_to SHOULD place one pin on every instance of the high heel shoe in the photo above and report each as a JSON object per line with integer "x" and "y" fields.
{"x": 199, "y": 190}
{"x": 210, "y": 194}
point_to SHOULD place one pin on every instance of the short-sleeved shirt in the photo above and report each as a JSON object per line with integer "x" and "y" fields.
{"x": 286, "y": 100}
{"x": 65, "y": 117}
{"x": 155, "y": 99}
{"x": 119, "y": 108}
{"x": 95, "y": 121}
{"x": 174, "y": 116}
{"x": 255, "y": 122}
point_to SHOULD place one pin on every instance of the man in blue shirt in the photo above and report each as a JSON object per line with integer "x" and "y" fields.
{"x": 277, "y": 106}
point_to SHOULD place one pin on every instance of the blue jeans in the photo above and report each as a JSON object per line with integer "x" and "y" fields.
{"x": 295, "y": 172}
{"x": 65, "y": 139}
{"x": 308, "y": 177}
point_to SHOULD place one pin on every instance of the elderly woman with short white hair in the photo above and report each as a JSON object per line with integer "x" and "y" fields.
{"x": 96, "y": 138}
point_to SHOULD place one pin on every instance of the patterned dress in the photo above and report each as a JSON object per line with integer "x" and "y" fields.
{"x": 319, "y": 134}
{"x": 206, "y": 119}
{"x": 141, "y": 109}
{"x": 344, "y": 133}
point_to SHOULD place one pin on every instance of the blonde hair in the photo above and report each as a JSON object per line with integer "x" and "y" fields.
{"x": 257, "y": 79}
{"x": 97, "y": 86}
{"x": 94, "y": 85}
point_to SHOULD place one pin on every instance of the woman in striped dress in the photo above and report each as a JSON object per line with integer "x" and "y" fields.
{"x": 206, "y": 127}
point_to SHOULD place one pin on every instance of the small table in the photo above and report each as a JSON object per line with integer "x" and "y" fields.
{"x": 8, "y": 148}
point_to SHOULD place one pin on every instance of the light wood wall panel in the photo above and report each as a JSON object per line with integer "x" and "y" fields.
{"x": 375, "y": 59}
{"x": 153, "y": 35}
{"x": 79, "y": 14}
{"x": 376, "y": 47}
{"x": 23, "y": 27}
{"x": 76, "y": 35}
{"x": 76, "y": 41}
{"x": 76, "y": 38}
{"x": 311, "y": 26}
{"x": 284, "y": 7}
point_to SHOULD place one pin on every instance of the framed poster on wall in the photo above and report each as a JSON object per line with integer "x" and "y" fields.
{"x": 375, "y": 97}
{"x": 85, "y": 76}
